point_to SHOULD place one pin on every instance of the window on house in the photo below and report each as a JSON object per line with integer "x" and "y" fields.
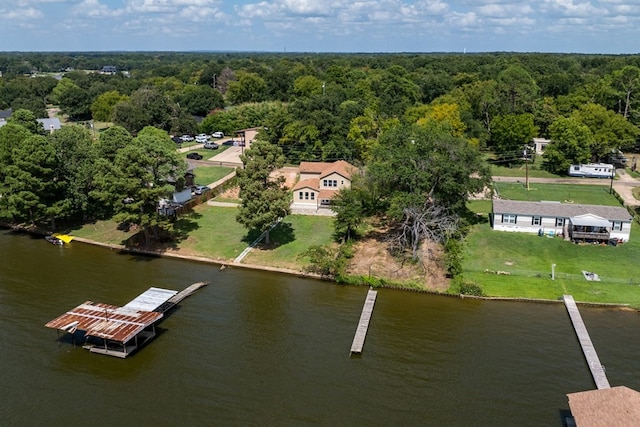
{"x": 509, "y": 218}
{"x": 536, "y": 220}
{"x": 617, "y": 226}
{"x": 325, "y": 183}
{"x": 306, "y": 195}
{"x": 559, "y": 222}
{"x": 300, "y": 193}
{"x": 313, "y": 196}
{"x": 335, "y": 182}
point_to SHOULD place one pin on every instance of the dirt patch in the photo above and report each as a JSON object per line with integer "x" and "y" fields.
{"x": 372, "y": 258}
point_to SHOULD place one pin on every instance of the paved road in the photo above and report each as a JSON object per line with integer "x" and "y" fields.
{"x": 623, "y": 185}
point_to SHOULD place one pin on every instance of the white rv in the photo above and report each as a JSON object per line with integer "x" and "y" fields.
{"x": 593, "y": 170}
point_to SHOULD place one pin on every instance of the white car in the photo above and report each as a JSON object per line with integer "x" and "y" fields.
{"x": 202, "y": 138}
{"x": 218, "y": 135}
{"x": 186, "y": 138}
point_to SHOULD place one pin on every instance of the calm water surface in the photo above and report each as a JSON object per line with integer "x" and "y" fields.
{"x": 256, "y": 348}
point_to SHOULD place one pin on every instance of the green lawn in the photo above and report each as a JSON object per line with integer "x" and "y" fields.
{"x": 207, "y": 174}
{"x": 213, "y": 232}
{"x": 102, "y": 231}
{"x": 292, "y": 237}
{"x": 520, "y": 170}
{"x": 585, "y": 194}
{"x": 528, "y": 259}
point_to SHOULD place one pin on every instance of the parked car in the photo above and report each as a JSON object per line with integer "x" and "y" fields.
{"x": 177, "y": 139}
{"x": 218, "y": 135}
{"x": 200, "y": 189}
{"x": 194, "y": 156}
{"x": 211, "y": 145}
{"x": 202, "y": 138}
{"x": 229, "y": 142}
{"x": 186, "y": 138}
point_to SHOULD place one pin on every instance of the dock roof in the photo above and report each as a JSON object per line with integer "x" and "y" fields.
{"x": 105, "y": 321}
{"x": 616, "y": 406}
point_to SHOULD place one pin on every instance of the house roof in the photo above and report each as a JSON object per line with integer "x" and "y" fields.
{"x": 311, "y": 183}
{"x": 340, "y": 167}
{"x": 616, "y": 406}
{"x": 52, "y": 123}
{"x": 560, "y": 210}
{"x": 326, "y": 168}
{"x": 5, "y": 114}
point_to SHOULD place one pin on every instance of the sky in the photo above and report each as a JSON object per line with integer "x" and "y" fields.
{"x": 564, "y": 26}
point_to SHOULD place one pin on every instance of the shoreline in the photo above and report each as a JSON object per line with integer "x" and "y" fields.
{"x": 228, "y": 264}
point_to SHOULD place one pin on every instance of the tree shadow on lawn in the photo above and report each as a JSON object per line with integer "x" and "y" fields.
{"x": 281, "y": 234}
{"x": 166, "y": 240}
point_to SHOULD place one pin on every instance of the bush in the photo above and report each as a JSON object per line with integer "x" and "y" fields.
{"x": 463, "y": 287}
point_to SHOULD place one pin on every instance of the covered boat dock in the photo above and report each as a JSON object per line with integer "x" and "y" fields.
{"x": 119, "y": 331}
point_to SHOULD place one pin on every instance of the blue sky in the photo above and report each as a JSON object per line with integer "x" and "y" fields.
{"x": 582, "y": 26}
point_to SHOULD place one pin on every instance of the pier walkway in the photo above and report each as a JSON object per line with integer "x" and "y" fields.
{"x": 363, "y": 324}
{"x": 597, "y": 371}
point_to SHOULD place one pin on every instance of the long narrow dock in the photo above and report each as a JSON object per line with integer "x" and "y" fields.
{"x": 175, "y": 299}
{"x": 597, "y": 371}
{"x": 363, "y": 324}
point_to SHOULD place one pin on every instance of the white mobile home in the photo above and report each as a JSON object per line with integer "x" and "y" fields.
{"x": 573, "y": 221}
{"x": 593, "y": 170}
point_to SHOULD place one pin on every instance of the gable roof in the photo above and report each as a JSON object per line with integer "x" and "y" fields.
{"x": 311, "y": 183}
{"x": 616, "y": 406}
{"x": 560, "y": 210}
{"x": 52, "y": 123}
{"x": 323, "y": 169}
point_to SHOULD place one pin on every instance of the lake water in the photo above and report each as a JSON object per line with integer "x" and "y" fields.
{"x": 256, "y": 348}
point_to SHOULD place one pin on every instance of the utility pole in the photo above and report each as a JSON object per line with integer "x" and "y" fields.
{"x": 526, "y": 167}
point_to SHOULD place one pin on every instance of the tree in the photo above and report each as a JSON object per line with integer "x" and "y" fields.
{"x": 517, "y": 89}
{"x": 76, "y": 103}
{"x": 112, "y": 140}
{"x": 139, "y": 178}
{"x": 199, "y": 100}
{"x": 102, "y": 108}
{"x": 75, "y": 159}
{"x": 349, "y": 209}
{"x": 610, "y": 130}
{"x": 29, "y": 185}
{"x": 510, "y": 134}
{"x": 627, "y": 81}
{"x": 26, "y": 119}
{"x": 147, "y": 106}
{"x": 249, "y": 87}
{"x": 422, "y": 177}
{"x": 265, "y": 199}
{"x": 571, "y": 144}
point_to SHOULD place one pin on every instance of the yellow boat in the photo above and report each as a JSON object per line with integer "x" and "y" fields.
{"x": 64, "y": 237}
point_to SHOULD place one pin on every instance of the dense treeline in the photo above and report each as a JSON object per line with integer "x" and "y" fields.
{"x": 373, "y": 110}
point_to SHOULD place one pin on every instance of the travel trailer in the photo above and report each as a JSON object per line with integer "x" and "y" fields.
{"x": 593, "y": 170}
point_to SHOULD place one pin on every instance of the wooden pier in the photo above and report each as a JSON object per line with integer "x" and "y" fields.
{"x": 175, "y": 300}
{"x": 363, "y": 324}
{"x": 597, "y": 371}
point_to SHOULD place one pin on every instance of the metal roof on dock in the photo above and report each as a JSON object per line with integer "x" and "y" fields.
{"x": 111, "y": 322}
{"x": 150, "y": 299}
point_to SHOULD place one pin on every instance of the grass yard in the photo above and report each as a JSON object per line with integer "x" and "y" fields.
{"x": 520, "y": 170}
{"x": 291, "y": 238}
{"x": 207, "y": 174}
{"x": 579, "y": 193}
{"x": 528, "y": 259}
{"x": 102, "y": 231}
{"x": 213, "y": 232}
